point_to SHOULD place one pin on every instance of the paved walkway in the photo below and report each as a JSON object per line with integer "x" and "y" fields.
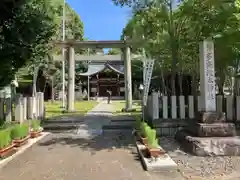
{"x": 73, "y": 156}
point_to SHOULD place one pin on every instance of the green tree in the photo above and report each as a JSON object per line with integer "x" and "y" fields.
{"x": 25, "y": 36}
{"x": 172, "y": 36}
{"x": 51, "y": 69}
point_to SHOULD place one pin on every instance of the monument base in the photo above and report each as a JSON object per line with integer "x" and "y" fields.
{"x": 210, "y": 117}
{"x": 209, "y": 146}
{"x": 212, "y": 130}
{"x": 213, "y": 136}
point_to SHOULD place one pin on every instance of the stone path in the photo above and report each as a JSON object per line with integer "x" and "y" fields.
{"x": 94, "y": 121}
{"x": 82, "y": 155}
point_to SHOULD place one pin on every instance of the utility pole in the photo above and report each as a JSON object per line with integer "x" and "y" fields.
{"x": 63, "y": 54}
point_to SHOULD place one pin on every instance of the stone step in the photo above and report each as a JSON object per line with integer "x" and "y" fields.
{"x": 63, "y": 121}
{"x": 209, "y": 146}
{"x": 212, "y": 130}
{"x": 117, "y": 127}
{"x": 66, "y": 126}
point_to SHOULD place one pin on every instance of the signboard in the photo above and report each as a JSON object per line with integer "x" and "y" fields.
{"x": 149, "y": 64}
{"x": 207, "y": 76}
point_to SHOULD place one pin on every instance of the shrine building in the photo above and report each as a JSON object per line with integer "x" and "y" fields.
{"x": 103, "y": 76}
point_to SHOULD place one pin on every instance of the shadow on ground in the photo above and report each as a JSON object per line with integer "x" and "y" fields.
{"x": 107, "y": 141}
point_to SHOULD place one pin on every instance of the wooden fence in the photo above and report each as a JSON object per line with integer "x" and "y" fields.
{"x": 182, "y": 107}
{"x": 22, "y": 108}
{"x": 169, "y": 113}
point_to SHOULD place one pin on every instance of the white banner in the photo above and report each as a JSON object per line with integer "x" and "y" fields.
{"x": 147, "y": 79}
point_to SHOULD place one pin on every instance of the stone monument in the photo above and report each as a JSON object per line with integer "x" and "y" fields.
{"x": 210, "y": 133}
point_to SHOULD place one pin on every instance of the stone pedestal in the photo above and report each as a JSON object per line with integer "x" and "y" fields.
{"x": 210, "y": 117}
{"x": 210, "y": 135}
{"x": 209, "y": 146}
{"x": 212, "y": 130}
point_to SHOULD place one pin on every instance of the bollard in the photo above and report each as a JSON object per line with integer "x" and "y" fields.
{"x": 34, "y": 107}
{"x": 24, "y": 108}
{"x": 8, "y": 110}
{"x": 30, "y": 108}
{"x": 2, "y": 109}
{"x": 37, "y": 105}
{"x": 41, "y": 105}
{"x": 19, "y": 109}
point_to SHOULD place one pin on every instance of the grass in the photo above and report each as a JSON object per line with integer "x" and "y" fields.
{"x": 119, "y": 105}
{"x": 81, "y": 107}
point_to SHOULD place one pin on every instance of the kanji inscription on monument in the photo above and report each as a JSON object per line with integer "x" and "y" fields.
{"x": 207, "y": 75}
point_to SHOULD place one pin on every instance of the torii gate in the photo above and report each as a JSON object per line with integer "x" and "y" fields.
{"x": 69, "y": 45}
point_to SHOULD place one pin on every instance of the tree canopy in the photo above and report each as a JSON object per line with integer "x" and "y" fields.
{"x": 25, "y": 35}
{"x": 73, "y": 30}
{"x": 171, "y": 34}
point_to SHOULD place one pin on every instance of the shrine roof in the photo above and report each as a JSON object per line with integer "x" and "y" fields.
{"x": 97, "y": 67}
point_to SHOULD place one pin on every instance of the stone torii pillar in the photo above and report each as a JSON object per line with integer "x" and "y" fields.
{"x": 128, "y": 78}
{"x": 71, "y": 80}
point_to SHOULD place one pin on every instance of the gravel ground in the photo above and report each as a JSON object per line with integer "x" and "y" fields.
{"x": 201, "y": 168}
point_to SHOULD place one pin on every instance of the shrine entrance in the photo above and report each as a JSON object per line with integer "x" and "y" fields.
{"x": 70, "y": 56}
{"x": 105, "y": 76}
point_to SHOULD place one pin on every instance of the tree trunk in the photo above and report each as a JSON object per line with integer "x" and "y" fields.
{"x": 180, "y": 83}
{"x": 52, "y": 90}
{"x": 163, "y": 84}
{"x": 173, "y": 46}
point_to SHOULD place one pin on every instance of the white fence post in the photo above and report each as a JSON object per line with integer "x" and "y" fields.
{"x": 191, "y": 107}
{"x": 30, "y": 108}
{"x": 25, "y": 108}
{"x": 238, "y": 108}
{"x": 155, "y": 105}
{"x": 199, "y": 103}
{"x": 1, "y": 108}
{"x": 229, "y": 107}
{"x": 174, "y": 107}
{"x": 165, "y": 107}
{"x": 41, "y": 105}
{"x": 182, "y": 107}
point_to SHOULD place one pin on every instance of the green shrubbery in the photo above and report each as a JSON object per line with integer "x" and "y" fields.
{"x": 36, "y": 125}
{"x": 147, "y": 132}
{"x": 5, "y": 137}
{"x": 19, "y": 131}
{"x": 152, "y": 140}
{"x": 13, "y": 131}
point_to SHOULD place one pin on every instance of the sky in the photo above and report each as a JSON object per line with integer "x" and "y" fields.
{"x": 101, "y": 18}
